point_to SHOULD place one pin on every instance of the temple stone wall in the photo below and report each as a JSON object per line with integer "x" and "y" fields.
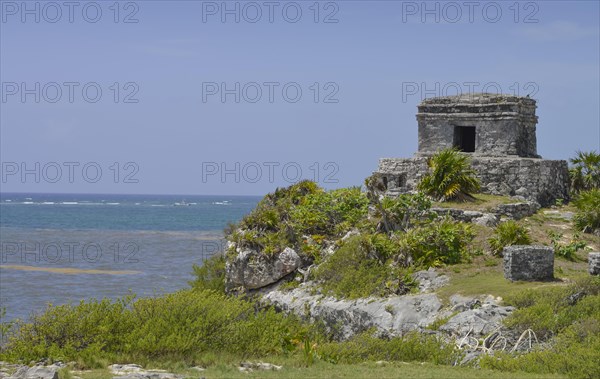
{"x": 538, "y": 180}
{"x": 504, "y": 125}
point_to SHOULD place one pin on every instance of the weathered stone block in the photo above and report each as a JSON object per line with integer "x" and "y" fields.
{"x": 528, "y": 262}
{"x": 594, "y": 263}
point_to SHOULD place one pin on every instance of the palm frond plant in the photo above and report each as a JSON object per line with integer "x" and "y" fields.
{"x": 450, "y": 177}
{"x": 587, "y": 217}
{"x": 585, "y": 172}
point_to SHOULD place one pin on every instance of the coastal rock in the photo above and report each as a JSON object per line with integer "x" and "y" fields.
{"x": 430, "y": 280}
{"x": 345, "y": 318}
{"x": 594, "y": 263}
{"x": 487, "y": 219}
{"x": 36, "y": 372}
{"x": 393, "y": 316}
{"x": 149, "y": 375}
{"x": 250, "y": 366}
{"x": 461, "y": 303}
{"x": 19, "y": 373}
{"x": 124, "y": 369}
{"x": 477, "y": 322}
{"x": 252, "y": 270}
{"x": 133, "y": 371}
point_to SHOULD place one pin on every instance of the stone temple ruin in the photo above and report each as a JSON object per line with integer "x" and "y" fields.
{"x": 498, "y": 131}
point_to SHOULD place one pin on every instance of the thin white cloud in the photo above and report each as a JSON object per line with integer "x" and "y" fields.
{"x": 557, "y": 31}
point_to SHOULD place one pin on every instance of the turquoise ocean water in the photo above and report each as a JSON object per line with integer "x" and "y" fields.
{"x": 60, "y": 248}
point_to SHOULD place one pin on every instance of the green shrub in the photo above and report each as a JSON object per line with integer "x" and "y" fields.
{"x": 568, "y": 250}
{"x": 506, "y": 234}
{"x": 177, "y": 326}
{"x": 323, "y": 212}
{"x": 548, "y": 311}
{"x": 569, "y": 317}
{"x": 5, "y": 326}
{"x": 411, "y": 347}
{"x": 587, "y": 217}
{"x": 392, "y": 214}
{"x": 443, "y": 241}
{"x": 403, "y": 211}
{"x": 450, "y": 177}
{"x": 576, "y": 358}
{"x": 283, "y": 218}
{"x": 350, "y": 205}
{"x": 275, "y": 207}
{"x": 211, "y": 274}
{"x": 64, "y": 331}
{"x": 585, "y": 172}
{"x": 360, "y": 268}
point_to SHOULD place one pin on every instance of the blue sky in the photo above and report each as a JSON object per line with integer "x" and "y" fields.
{"x": 362, "y": 68}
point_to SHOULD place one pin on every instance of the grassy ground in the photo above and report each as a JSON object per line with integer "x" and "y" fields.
{"x": 545, "y": 221}
{"x": 484, "y": 275}
{"x": 483, "y": 202}
{"x": 472, "y": 280}
{"x": 329, "y": 370}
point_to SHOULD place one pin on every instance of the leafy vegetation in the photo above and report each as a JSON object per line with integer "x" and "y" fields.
{"x": 569, "y": 318}
{"x": 211, "y": 275}
{"x": 450, "y": 177}
{"x": 585, "y": 172}
{"x": 411, "y": 347}
{"x": 566, "y": 250}
{"x": 323, "y": 212}
{"x": 5, "y": 326}
{"x": 378, "y": 264}
{"x": 587, "y": 217}
{"x": 361, "y": 268}
{"x": 284, "y": 217}
{"x": 178, "y": 326}
{"x": 506, "y": 234}
{"x": 393, "y": 214}
{"x": 441, "y": 242}
{"x": 402, "y": 212}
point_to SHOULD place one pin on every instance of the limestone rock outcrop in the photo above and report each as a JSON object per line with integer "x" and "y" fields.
{"x": 252, "y": 269}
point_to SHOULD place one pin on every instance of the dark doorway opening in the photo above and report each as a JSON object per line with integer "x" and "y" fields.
{"x": 464, "y": 138}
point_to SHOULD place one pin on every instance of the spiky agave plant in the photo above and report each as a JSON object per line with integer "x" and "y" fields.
{"x": 450, "y": 177}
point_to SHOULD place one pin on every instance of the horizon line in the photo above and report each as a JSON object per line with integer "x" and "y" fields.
{"x": 113, "y": 193}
